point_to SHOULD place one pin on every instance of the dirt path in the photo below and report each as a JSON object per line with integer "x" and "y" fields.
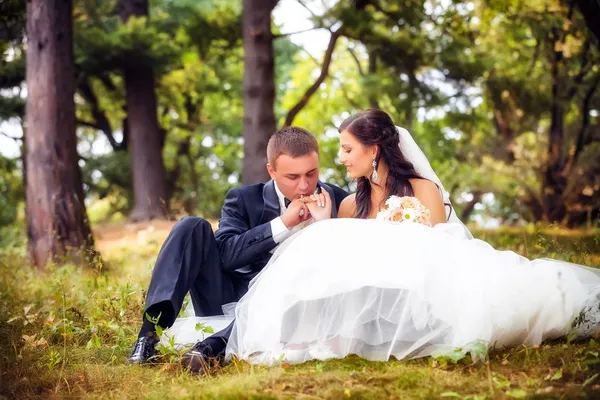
{"x": 109, "y": 236}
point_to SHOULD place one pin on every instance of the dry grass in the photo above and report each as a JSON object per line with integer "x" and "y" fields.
{"x": 70, "y": 333}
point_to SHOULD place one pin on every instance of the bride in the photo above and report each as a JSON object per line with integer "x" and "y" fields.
{"x": 360, "y": 285}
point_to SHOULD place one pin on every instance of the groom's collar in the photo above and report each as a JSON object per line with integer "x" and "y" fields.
{"x": 271, "y": 203}
{"x": 280, "y": 196}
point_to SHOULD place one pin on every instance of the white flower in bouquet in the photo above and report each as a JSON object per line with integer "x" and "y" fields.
{"x": 394, "y": 202}
{"x": 409, "y": 215}
{"x": 404, "y": 209}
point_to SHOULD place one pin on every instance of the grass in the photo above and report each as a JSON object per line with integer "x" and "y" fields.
{"x": 67, "y": 331}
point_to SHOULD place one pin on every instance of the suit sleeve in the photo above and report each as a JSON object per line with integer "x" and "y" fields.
{"x": 239, "y": 244}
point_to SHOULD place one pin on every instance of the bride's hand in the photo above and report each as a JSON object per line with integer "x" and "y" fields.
{"x": 319, "y": 205}
{"x": 296, "y": 213}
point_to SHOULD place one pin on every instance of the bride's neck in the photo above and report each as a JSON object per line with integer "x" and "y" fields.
{"x": 378, "y": 188}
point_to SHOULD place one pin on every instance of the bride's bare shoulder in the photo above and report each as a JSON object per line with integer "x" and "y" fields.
{"x": 423, "y": 185}
{"x": 429, "y": 195}
{"x": 348, "y": 207}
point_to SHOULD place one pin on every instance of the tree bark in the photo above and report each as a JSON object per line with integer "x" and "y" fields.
{"x": 470, "y": 206}
{"x": 585, "y": 125}
{"x": 412, "y": 94}
{"x": 554, "y": 180}
{"x": 372, "y": 72}
{"x": 259, "y": 88}
{"x": 57, "y": 224}
{"x": 145, "y": 137}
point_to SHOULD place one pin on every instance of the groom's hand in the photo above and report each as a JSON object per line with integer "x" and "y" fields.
{"x": 319, "y": 205}
{"x": 296, "y": 213}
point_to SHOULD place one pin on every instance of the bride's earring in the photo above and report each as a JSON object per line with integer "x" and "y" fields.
{"x": 374, "y": 175}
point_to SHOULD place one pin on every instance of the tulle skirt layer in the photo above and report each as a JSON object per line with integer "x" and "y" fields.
{"x": 378, "y": 289}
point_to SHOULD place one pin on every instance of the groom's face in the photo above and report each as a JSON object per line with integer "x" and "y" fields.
{"x": 295, "y": 176}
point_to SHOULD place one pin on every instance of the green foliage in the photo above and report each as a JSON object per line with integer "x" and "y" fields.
{"x": 473, "y": 82}
{"x": 538, "y": 56}
{"x": 204, "y": 328}
{"x": 11, "y": 190}
{"x": 12, "y": 20}
{"x": 10, "y": 107}
{"x": 102, "y": 43}
{"x": 12, "y": 75}
{"x": 12, "y": 72}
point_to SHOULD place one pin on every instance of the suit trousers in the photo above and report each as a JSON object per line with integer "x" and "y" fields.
{"x": 189, "y": 261}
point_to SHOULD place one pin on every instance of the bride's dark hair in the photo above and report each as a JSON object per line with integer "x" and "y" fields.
{"x": 375, "y": 127}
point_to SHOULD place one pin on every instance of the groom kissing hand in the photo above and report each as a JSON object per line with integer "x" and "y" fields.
{"x": 216, "y": 267}
{"x": 319, "y": 205}
{"x": 316, "y": 206}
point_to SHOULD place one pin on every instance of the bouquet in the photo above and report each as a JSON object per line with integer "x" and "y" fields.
{"x": 404, "y": 209}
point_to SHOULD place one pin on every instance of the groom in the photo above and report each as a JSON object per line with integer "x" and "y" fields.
{"x": 216, "y": 268}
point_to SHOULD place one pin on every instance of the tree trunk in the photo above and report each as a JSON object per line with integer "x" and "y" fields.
{"x": 470, "y": 206}
{"x": 259, "y": 88}
{"x": 57, "y": 224}
{"x": 372, "y": 73}
{"x": 554, "y": 180}
{"x": 412, "y": 90}
{"x": 149, "y": 180}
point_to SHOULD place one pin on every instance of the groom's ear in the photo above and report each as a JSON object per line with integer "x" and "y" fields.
{"x": 271, "y": 171}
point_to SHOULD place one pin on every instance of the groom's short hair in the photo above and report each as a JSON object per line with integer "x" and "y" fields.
{"x": 293, "y": 141}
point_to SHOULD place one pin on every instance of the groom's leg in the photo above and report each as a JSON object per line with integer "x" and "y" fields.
{"x": 212, "y": 287}
{"x": 189, "y": 259}
{"x": 189, "y": 254}
{"x": 218, "y": 342}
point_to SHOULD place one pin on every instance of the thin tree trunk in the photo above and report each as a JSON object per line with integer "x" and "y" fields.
{"x": 57, "y": 224}
{"x": 412, "y": 90}
{"x": 372, "y": 72}
{"x": 554, "y": 180}
{"x": 316, "y": 84}
{"x": 585, "y": 126}
{"x": 101, "y": 121}
{"x": 470, "y": 206}
{"x": 145, "y": 136}
{"x": 259, "y": 88}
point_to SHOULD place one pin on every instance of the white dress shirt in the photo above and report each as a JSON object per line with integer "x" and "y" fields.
{"x": 279, "y": 231}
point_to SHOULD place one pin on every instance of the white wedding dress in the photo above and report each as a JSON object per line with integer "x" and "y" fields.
{"x": 379, "y": 289}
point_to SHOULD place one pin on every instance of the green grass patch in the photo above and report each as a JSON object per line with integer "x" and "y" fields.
{"x": 67, "y": 331}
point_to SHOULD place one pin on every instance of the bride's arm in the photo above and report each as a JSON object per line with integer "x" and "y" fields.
{"x": 348, "y": 207}
{"x": 429, "y": 195}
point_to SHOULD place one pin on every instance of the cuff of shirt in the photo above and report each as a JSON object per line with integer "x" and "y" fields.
{"x": 279, "y": 231}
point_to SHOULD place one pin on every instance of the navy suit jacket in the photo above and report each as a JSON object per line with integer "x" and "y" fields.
{"x": 244, "y": 236}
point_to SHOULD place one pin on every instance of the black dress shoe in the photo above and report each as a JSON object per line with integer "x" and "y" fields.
{"x": 199, "y": 358}
{"x": 143, "y": 350}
